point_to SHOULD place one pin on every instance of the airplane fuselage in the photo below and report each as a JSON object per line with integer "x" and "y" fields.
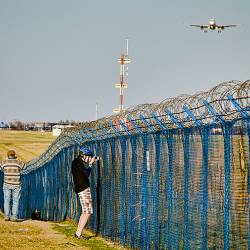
{"x": 212, "y": 24}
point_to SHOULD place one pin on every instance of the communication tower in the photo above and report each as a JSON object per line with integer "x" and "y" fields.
{"x": 123, "y": 61}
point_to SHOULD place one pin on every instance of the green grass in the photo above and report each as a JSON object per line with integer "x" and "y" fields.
{"x": 96, "y": 243}
{"x": 27, "y": 144}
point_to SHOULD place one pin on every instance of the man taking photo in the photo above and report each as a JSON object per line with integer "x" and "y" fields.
{"x": 81, "y": 168}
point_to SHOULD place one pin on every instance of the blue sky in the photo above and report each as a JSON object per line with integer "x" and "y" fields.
{"x": 58, "y": 58}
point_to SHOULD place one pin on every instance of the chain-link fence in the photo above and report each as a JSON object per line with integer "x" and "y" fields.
{"x": 172, "y": 175}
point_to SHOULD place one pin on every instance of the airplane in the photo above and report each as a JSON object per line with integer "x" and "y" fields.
{"x": 212, "y": 26}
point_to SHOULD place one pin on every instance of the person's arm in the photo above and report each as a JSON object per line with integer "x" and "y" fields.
{"x": 88, "y": 170}
{"x": 22, "y": 165}
{"x": 1, "y": 165}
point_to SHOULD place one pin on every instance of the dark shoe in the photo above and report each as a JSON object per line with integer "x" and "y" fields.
{"x": 79, "y": 237}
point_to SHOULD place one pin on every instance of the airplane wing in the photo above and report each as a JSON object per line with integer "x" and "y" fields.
{"x": 200, "y": 26}
{"x": 226, "y": 26}
{"x": 231, "y": 25}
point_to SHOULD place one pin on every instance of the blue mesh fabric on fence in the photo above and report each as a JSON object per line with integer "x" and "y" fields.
{"x": 184, "y": 187}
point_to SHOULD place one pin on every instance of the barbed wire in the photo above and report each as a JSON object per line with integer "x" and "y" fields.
{"x": 225, "y": 102}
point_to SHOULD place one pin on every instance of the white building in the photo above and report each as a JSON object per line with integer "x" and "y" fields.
{"x": 57, "y": 129}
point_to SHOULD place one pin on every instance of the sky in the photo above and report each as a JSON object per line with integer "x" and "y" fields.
{"x": 58, "y": 58}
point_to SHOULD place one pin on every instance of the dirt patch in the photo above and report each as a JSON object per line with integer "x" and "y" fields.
{"x": 31, "y": 234}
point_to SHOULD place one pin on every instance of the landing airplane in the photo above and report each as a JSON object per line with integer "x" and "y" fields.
{"x": 212, "y": 26}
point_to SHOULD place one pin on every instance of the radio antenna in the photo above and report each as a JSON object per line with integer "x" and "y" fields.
{"x": 127, "y": 47}
{"x": 123, "y": 60}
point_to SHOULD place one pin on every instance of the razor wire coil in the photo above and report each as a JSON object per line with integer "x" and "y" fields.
{"x": 155, "y": 117}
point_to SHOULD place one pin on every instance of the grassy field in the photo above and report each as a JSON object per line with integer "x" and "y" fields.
{"x": 37, "y": 234}
{"x": 27, "y": 144}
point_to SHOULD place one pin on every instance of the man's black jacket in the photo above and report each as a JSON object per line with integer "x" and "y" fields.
{"x": 80, "y": 174}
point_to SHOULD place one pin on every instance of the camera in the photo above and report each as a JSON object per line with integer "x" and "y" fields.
{"x": 97, "y": 158}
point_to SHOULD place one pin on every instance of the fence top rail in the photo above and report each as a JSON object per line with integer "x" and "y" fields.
{"x": 226, "y": 102}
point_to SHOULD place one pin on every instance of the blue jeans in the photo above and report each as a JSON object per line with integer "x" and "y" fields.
{"x": 7, "y": 190}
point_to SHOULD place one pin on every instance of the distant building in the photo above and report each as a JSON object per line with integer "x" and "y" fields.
{"x": 57, "y": 129}
{"x": 39, "y": 126}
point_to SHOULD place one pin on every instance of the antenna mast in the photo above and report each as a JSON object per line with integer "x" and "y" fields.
{"x": 123, "y": 61}
{"x": 96, "y": 110}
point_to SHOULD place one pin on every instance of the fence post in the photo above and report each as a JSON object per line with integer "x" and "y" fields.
{"x": 204, "y": 137}
{"x": 186, "y": 186}
{"x": 133, "y": 191}
{"x": 104, "y": 190}
{"x": 144, "y": 207}
{"x": 97, "y": 196}
{"x": 122, "y": 191}
{"x": 170, "y": 188}
{"x": 112, "y": 193}
{"x": 64, "y": 202}
{"x": 227, "y": 157}
{"x": 156, "y": 191}
{"x": 70, "y": 156}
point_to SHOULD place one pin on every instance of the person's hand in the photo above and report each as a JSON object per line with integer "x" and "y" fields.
{"x": 92, "y": 161}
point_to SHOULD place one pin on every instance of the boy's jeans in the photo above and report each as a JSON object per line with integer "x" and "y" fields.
{"x": 7, "y": 190}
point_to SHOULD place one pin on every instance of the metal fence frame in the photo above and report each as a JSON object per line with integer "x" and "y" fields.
{"x": 124, "y": 142}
